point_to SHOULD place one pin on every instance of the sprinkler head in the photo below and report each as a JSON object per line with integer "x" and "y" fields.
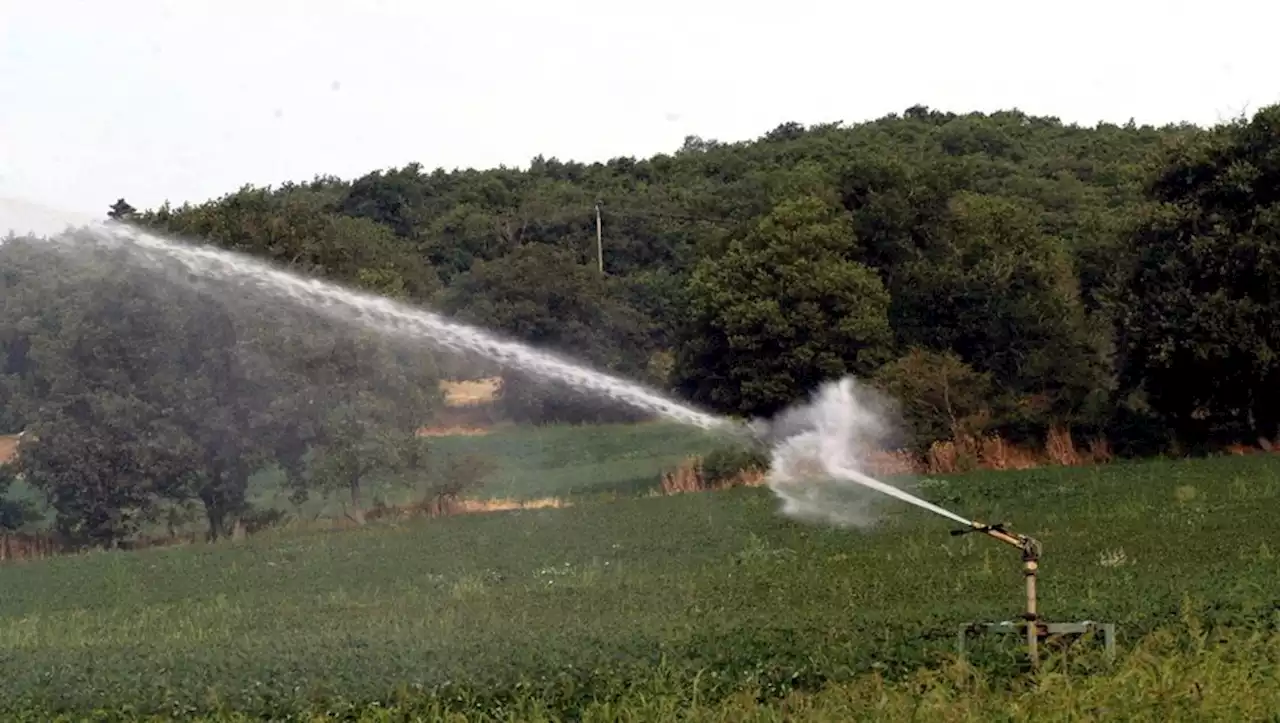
{"x": 1029, "y": 545}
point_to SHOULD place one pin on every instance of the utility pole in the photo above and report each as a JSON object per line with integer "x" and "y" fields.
{"x": 599, "y": 241}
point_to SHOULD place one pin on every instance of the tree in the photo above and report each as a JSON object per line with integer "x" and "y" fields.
{"x": 219, "y": 409}
{"x": 1003, "y": 296}
{"x": 82, "y": 353}
{"x": 137, "y": 390}
{"x": 121, "y": 211}
{"x": 296, "y": 227}
{"x": 393, "y": 199}
{"x": 96, "y": 464}
{"x": 374, "y": 399}
{"x": 13, "y": 513}
{"x": 1199, "y": 332}
{"x": 940, "y": 397}
{"x": 571, "y": 309}
{"x": 782, "y": 311}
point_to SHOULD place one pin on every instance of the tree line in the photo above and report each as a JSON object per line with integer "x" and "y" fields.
{"x": 999, "y": 273}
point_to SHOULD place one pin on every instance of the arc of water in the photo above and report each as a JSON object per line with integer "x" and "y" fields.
{"x": 394, "y": 317}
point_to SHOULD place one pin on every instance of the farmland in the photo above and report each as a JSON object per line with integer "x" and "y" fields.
{"x": 645, "y": 602}
{"x": 568, "y": 462}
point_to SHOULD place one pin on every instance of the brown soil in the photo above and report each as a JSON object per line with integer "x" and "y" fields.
{"x": 8, "y": 447}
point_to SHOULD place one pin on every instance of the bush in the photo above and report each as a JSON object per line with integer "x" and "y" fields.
{"x": 728, "y": 462}
{"x": 458, "y": 475}
{"x": 256, "y": 520}
{"x": 940, "y": 397}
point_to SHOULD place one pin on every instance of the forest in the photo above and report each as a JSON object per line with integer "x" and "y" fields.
{"x": 996, "y": 273}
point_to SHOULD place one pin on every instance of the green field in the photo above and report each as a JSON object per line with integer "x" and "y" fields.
{"x": 570, "y": 462}
{"x": 634, "y": 601}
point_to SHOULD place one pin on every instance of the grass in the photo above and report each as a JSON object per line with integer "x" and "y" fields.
{"x": 640, "y": 601}
{"x": 574, "y": 461}
{"x": 1173, "y": 675}
{"x": 569, "y": 462}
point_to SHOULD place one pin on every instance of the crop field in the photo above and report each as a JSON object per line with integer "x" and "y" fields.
{"x": 692, "y": 600}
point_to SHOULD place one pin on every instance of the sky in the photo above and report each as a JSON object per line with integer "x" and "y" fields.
{"x": 186, "y": 100}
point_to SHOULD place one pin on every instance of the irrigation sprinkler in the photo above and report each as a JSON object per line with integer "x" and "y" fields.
{"x": 1032, "y": 626}
{"x": 826, "y": 436}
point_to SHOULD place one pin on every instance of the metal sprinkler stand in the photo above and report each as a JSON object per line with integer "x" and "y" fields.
{"x": 1034, "y": 629}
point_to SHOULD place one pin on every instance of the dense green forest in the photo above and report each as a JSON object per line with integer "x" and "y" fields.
{"x": 998, "y": 273}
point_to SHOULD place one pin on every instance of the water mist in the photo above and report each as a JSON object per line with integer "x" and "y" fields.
{"x": 819, "y": 449}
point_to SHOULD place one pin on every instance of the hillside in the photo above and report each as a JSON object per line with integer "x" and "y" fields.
{"x": 1012, "y": 242}
{"x": 999, "y": 275}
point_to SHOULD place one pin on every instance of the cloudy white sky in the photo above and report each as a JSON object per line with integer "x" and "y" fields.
{"x": 189, "y": 99}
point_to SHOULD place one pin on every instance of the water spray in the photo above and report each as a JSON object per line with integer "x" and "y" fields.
{"x": 818, "y": 450}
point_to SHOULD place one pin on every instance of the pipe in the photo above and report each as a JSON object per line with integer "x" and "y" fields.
{"x": 1031, "y": 549}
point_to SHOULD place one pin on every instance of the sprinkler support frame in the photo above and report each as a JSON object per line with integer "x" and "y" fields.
{"x": 1031, "y": 549}
{"x": 1031, "y": 626}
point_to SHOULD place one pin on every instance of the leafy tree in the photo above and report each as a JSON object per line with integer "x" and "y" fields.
{"x": 782, "y": 311}
{"x": 295, "y": 227}
{"x": 940, "y": 396}
{"x": 13, "y": 513}
{"x": 135, "y": 388}
{"x": 392, "y": 199}
{"x": 95, "y": 463}
{"x": 1199, "y": 332}
{"x": 373, "y": 402}
{"x": 92, "y": 446}
{"x": 1002, "y": 295}
{"x": 140, "y": 388}
{"x": 121, "y": 211}
{"x": 221, "y": 414}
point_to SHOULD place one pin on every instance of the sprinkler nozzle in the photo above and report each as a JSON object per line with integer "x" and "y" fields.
{"x": 1029, "y": 545}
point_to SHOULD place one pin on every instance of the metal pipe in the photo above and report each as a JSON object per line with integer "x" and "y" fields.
{"x": 1032, "y": 622}
{"x": 1031, "y": 549}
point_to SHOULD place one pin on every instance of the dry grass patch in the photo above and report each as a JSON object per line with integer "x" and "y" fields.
{"x": 690, "y": 476}
{"x": 447, "y": 506}
{"x": 471, "y": 392}
{"x": 8, "y": 447}
{"x": 964, "y": 454}
{"x": 452, "y": 431}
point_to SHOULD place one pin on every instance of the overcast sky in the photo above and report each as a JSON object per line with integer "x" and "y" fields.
{"x": 189, "y": 99}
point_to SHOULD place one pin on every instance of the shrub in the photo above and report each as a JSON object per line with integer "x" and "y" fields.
{"x": 458, "y": 474}
{"x": 727, "y": 463}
